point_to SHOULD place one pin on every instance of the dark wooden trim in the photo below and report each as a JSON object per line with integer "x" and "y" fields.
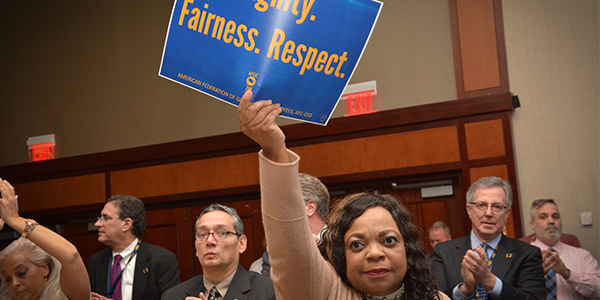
{"x": 502, "y": 60}
{"x": 512, "y": 174}
{"x": 478, "y": 163}
{"x": 458, "y": 70}
{"x": 464, "y": 157}
{"x": 237, "y": 143}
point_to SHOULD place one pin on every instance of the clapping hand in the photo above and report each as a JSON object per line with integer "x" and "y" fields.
{"x": 551, "y": 261}
{"x": 475, "y": 270}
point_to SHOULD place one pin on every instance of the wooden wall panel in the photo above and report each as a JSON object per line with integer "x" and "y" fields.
{"x": 498, "y": 171}
{"x": 384, "y": 152}
{"x": 62, "y": 192}
{"x": 479, "y": 47}
{"x": 485, "y": 139}
{"x": 172, "y": 230}
{"x": 187, "y": 177}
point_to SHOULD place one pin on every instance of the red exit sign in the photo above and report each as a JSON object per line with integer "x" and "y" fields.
{"x": 361, "y": 103}
{"x": 41, "y": 147}
{"x": 41, "y": 152}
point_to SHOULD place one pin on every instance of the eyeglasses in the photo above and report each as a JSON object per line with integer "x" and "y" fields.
{"x": 219, "y": 235}
{"x": 482, "y": 207}
{"x": 103, "y": 219}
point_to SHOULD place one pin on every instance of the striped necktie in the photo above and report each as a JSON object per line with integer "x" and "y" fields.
{"x": 551, "y": 283}
{"x": 213, "y": 293}
{"x": 481, "y": 292}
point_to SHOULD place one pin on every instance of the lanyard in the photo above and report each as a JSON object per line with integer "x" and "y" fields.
{"x": 491, "y": 258}
{"x": 114, "y": 285}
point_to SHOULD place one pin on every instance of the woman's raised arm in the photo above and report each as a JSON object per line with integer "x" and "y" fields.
{"x": 74, "y": 278}
{"x": 257, "y": 121}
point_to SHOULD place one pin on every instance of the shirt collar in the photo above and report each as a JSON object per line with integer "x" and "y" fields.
{"x": 125, "y": 254}
{"x": 476, "y": 242}
{"x": 222, "y": 286}
{"x": 558, "y": 247}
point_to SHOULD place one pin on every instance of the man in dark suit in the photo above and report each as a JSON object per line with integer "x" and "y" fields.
{"x": 219, "y": 242}
{"x": 147, "y": 270}
{"x": 487, "y": 264}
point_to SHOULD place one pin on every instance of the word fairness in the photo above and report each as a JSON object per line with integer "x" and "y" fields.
{"x": 228, "y": 31}
{"x": 221, "y": 28}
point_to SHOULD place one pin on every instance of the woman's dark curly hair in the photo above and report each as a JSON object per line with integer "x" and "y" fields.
{"x": 418, "y": 282}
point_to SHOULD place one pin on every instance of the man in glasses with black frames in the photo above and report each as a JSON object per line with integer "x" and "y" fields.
{"x": 219, "y": 242}
{"x": 129, "y": 269}
{"x": 486, "y": 264}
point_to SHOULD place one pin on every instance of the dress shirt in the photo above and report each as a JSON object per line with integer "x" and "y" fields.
{"x": 222, "y": 286}
{"x": 128, "y": 270}
{"x": 456, "y": 293}
{"x": 584, "y": 282}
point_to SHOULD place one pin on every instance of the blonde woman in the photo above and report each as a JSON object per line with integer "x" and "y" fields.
{"x": 41, "y": 264}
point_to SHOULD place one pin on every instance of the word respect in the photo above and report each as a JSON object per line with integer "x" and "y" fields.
{"x": 308, "y": 57}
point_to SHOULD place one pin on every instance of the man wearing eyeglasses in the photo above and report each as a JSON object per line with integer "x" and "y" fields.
{"x": 219, "y": 242}
{"x": 129, "y": 269}
{"x": 486, "y": 264}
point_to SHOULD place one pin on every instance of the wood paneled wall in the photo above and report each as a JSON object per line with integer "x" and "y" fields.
{"x": 470, "y": 137}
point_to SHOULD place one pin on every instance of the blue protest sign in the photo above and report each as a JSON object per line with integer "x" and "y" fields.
{"x": 299, "y": 53}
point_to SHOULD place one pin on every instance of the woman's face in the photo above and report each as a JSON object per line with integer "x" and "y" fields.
{"x": 375, "y": 254}
{"x": 24, "y": 279}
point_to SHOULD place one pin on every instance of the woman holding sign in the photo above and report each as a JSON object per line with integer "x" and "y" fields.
{"x": 370, "y": 251}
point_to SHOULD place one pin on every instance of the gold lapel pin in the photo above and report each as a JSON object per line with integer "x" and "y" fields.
{"x": 145, "y": 270}
{"x": 508, "y": 255}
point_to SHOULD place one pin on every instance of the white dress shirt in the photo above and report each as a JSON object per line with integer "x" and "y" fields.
{"x": 128, "y": 270}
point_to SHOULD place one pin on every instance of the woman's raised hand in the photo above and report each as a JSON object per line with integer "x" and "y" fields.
{"x": 257, "y": 121}
{"x": 9, "y": 206}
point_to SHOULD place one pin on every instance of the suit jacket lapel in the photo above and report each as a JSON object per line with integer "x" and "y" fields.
{"x": 459, "y": 253}
{"x": 196, "y": 288}
{"x": 104, "y": 267}
{"x": 240, "y": 285}
{"x": 504, "y": 257}
{"x": 141, "y": 272}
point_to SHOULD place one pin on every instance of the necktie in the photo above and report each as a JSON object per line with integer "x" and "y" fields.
{"x": 213, "y": 293}
{"x": 481, "y": 292}
{"x": 551, "y": 283}
{"x": 114, "y": 272}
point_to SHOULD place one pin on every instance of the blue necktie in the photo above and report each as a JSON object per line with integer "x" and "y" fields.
{"x": 481, "y": 292}
{"x": 551, "y": 283}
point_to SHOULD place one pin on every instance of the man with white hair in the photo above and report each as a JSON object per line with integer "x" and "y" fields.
{"x": 486, "y": 264}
